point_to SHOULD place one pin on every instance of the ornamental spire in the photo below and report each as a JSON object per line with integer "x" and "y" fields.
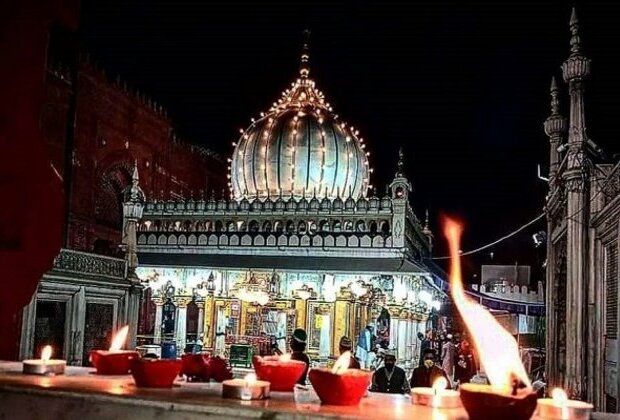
{"x": 555, "y": 102}
{"x": 575, "y": 40}
{"x": 304, "y": 67}
{"x": 400, "y": 171}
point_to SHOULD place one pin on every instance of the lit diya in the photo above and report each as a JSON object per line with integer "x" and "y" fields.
{"x": 45, "y": 365}
{"x": 340, "y": 385}
{"x": 114, "y": 361}
{"x": 559, "y": 407}
{"x": 248, "y": 388}
{"x": 437, "y": 396}
{"x": 155, "y": 373}
{"x": 510, "y": 395}
{"x": 282, "y": 372}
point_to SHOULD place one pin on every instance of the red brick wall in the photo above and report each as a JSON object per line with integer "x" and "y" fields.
{"x": 114, "y": 127}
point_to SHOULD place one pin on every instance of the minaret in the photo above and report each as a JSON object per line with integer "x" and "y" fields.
{"x": 575, "y": 70}
{"x": 426, "y": 230}
{"x": 555, "y": 128}
{"x": 400, "y": 189}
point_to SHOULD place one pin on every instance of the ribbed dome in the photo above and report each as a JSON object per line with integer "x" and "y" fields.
{"x": 299, "y": 148}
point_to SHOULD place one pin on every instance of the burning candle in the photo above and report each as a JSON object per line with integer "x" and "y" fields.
{"x": 559, "y": 407}
{"x": 340, "y": 385}
{"x": 45, "y": 365}
{"x": 280, "y": 371}
{"x": 114, "y": 361}
{"x": 437, "y": 396}
{"x": 248, "y": 388}
{"x": 510, "y": 395}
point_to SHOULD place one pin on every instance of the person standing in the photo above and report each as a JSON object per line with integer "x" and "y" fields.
{"x": 345, "y": 345}
{"x": 425, "y": 344}
{"x": 365, "y": 346}
{"x": 389, "y": 378}
{"x": 428, "y": 372}
{"x": 448, "y": 356}
{"x": 298, "y": 351}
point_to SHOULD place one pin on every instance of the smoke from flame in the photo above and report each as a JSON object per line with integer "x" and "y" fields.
{"x": 119, "y": 339}
{"x": 497, "y": 349}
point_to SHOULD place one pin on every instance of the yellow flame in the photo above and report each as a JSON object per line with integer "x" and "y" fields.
{"x": 46, "y": 353}
{"x": 497, "y": 348}
{"x": 440, "y": 384}
{"x": 250, "y": 379}
{"x": 559, "y": 397}
{"x": 342, "y": 364}
{"x": 119, "y": 339}
{"x": 285, "y": 357}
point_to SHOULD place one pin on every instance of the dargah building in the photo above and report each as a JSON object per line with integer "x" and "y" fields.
{"x": 300, "y": 241}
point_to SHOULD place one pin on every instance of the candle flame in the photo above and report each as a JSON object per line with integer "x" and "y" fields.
{"x": 498, "y": 350}
{"x": 46, "y": 353}
{"x": 286, "y": 357}
{"x": 559, "y": 397}
{"x": 440, "y": 384}
{"x": 250, "y": 379}
{"x": 342, "y": 364}
{"x": 119, "y": 338}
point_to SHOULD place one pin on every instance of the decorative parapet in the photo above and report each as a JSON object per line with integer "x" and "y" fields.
{"x": 513, "y": 293}
{"x": 87, "y": 263}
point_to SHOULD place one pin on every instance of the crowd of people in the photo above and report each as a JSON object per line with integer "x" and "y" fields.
{"x": 441, "y": 355}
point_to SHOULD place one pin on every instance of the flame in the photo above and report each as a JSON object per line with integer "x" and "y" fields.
{"x": 286, "y": 357}
{"x": 119, "y": 339}
{"x": 250, "y": 379}
{"x": 342, "y": 364}
{"x": 559, "y": 397}
{"x": 498, "y": 350}
{"x": 440, "y": 384}
{"x": 46, "y": 353}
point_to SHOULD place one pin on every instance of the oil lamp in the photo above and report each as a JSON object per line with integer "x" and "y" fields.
{"x": 45, "y": 365}
{"x": 559, "y": 407}
{"x": 248, "y": 388}
{"x": 340, "y": 385}
{"x": 437, "y": 396}
{"x": 510, "y": 395}
{"x": 282, "y": 372}
{"x": 114, "y": 361}
{"x": 155, "y": 373}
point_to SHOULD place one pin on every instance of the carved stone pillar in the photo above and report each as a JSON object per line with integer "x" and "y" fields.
{"x": 180, "y": 330}
{"x": 201, "y": 319}
{"x": 159, "y": 314}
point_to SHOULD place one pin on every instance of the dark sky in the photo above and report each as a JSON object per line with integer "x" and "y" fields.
{"x": 462, "y": 86}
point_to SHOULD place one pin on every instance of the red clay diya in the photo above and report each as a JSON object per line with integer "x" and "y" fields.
{"x": 155, "y": 373}
{"x": 113, "y": 362}
{"x": 203, "y": 368}
{"x": 484, "y": 402}
{"x": 282, "y": 372}
{"x": 346, "y": 388}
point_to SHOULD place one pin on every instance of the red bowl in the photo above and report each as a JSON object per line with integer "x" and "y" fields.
{"x": 345, "y": 389}
{"x": 194, "y": 366}
{"x": 112, "y": 362}
{"x": 482, "y": 402}
{"x": 283, "y": 375}
{"x": 155, "y": 373}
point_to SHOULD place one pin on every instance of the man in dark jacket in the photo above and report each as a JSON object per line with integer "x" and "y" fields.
{"x": 426, "y": 374}
{"x": 390, "y": 378}
{"x": 298, "y": 348}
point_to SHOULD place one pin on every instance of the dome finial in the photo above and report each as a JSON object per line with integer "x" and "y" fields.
{"x": 401, "y": 162}
{"x": 304, "y": 67}
{"x": 575, "y": 40}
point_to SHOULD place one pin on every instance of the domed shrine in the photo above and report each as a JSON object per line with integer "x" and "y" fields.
{"x": 296, "y": 244}
{"x": 299, "y": 148}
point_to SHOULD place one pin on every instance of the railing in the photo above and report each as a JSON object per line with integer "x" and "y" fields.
{"x": 87, "y": 263}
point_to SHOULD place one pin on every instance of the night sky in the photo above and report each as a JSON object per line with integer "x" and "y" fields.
{"x": 462, "y": 86}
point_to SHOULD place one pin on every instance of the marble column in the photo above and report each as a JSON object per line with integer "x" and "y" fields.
{"x": 201, "y": 319}
{"x": 180, "y": 330}
{"x": 159, "y": 314}
{"x": 402, "y": 340}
